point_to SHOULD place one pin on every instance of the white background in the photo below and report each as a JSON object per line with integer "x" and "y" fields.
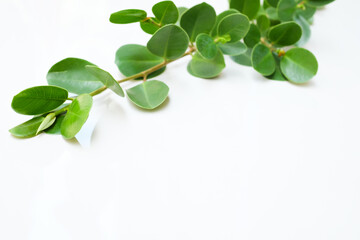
{"x": 237, "y": 157}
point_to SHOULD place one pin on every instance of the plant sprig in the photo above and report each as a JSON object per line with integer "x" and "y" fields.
{"x": 266, "y": 36}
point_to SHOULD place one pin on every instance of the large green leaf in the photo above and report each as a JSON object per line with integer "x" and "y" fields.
{"x": 253, "y": 36}
{"x": 248, "y": 7}
{"x": 206, "y": 68}
{"x": 56, "y": 127}
{"x": 243, "y": 59}
{"x": 286, "y": 9}
{"x": 285, "y": 34}
{"x": 27, "y": 129}
{"x": 72, "y": 75}
{"x": 170, "y": 42}
{"x": 76, "y": 116}
{"x": 39, "y": 100}
{"x": 299, "y": 65}
{"x": 319, "y": 3}
{"x": 233, "y": 49}
{"x": 132, "y": 59}
{"x": 149, "y": 94}
{"x": 220, "y": 17}
{"x": 263, "y": 60}
{"x": 128, "y": 16}
{"x": 206, "y": 46}
{"x": 235, "y": 25}
{"x": 166, "y": 12}
{"x": 198, "y": 19}
{"x": 48, "y": 121}
{"x": 106, "y": 79}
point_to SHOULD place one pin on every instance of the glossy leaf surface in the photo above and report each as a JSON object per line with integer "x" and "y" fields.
{"x": 27, "y": 129}
{"x": 286, "y": 9}
{"x": 253, "y": 36}
{"x": 285, "y": 34}
{"x": 128, "y": 16}
{"x": 220, "y": 17}
{"x": 233, "y": 49}
{"x": 149, "y": 27}
{"x": 248, "y": 7}
{"x": 235, "y": 25}
{"x": 48, "y": 121}
{"x": 166, "y": 12}
{"x": 206, "y": 68}
{"x": 56, "y": 127}
{"x": 263, "y": 60}
{"x": 206, "y": 46}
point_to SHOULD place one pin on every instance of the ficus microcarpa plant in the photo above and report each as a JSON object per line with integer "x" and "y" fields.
{"x": 264, "y": 35}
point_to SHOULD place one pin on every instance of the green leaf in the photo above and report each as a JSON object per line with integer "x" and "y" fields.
{"x": 56, "y": 127}
{"x": 198, "y": 19}
{"x": 72, "y": 75}
{"x": 27, "y": 129}
{"x": 206, "y": 46}
{"x": 76, "y": 116}
{"x": 149, "y": 27}
{"x": 253, "y": 36}
{"x": 263, "y": 23}
{"x": 170, "y": 42}
{"x": 106, "y": 79}
{"x": 243, "y": 59}
{"x": 306, "y": 31}
{"x": 306, "y": 13}
{"x": 272, "y": 13}
{"x": 263, "y": 60}
{"x": 132, "y": 59}
{"x": 206, "y": 68}
{"x": 272, "y": 3}
{"x": 248, "y": 7}
{"x": 235, "y": 25}
{"x": 285, "y": 34}
{"x": 39, "y": 100}
{"x": 299, "y": 65}
{"x": 220, "y": 17}
{"x": 181, "y": 12}
{"x": 286, "y": 9}
{"x": 277, "y": 75}
{"x": 128, "y": 16}
{"x": 319, "y": 3}
{"x": 166, "y": 12}
{"x": 233, "y": 49}
{"x": 149, "y": 94}
{"x": 48, "y": 121}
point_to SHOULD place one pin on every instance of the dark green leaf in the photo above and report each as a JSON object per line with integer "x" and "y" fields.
{"x": 286, "y": 9}
{"x": 39, "y": 100}
{"x": 198, "y": 19}
{"x": 243, "y": 59}
{"x": 263, "y": 60}
{"x": 206, "y": 46}
{"x": 27, "y": 129}
{"x": 72, "y": 75}
{"x": 235, "y": 25}
{"x": 285, "y": 34}
{"x": 166, "y": 12}
{"x": 132, "y": 59}
{"x": 106, "y": 79}
{"x": 299, "y": 65}
{"x": 149, "y": 94}
{"x": 253, "y": 36}
{"x": 319, "y": 3}
{"x": 48, "y": 121}
{"x": 128, "y": 16}
{"x": 170, "y": 42}
{"x": 76, "y": 116}
{"x": 248, "y": 7}
{"x": 56, "y": 127}
{"x": 206, "y": 68}
{"x": 149, "y": 27}
{"x": 233, "y": 49}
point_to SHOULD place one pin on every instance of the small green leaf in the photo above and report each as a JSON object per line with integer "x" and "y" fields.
{"x": 286, "y": 9}
{"x": 248, "y": 7}
{"x": 233, "y": 49}
{"x": 306, "y": 13}
{"x": 170, "y": 42}
{"x": 206, "y": 46}
{"x": 149, "y": 94}
{"x": 27, "y": 129}
{"x": 263, "y": 60}
{"x": 106, "y": 79}
{"x": 236, "y": 25}
{"x": 149, "y": 27}
{"x": 299, "y": 65}
{"x": 198, "y": 19}
{"x": 306, "y": 31}
{"x": 220, "y": 17}
{"x": 263, "y": 22}
{"x": 128, "y": 16}
{"x": 72, "y": 75}
{"x": 48, "y": 121}
{"x": 319, "y": 3}
{"x": 76, "y": 116}
{"x": 253, "y": 36}
{"x": 39, "y": 100}
{"x": 285, "y": 34}
{"x": 277, "y": 75}
{"x": 132, "y": 59}
{"x": 243, "y": 59}
{"x": 166, "y": 12}
{"x": 56, "y": 127}
{"x": 206, "y": 68}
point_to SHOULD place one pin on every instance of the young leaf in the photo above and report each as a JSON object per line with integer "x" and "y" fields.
{"x": 166, "y": 12}
{"x": 128, "y": 16}
{"x": 319, "y": 3}
{"x": 170, "y": 42}
{"x": 48, "y": 121}
{"x": 206, "y": 68}
{"x": 39, "y": 100}
{"x": 243, "y": 59}
{"x": 56, "y": 127}
{"x": 106, "y": 79}
{"x": 233, "y": 49}
{"x": 299, "y": 65}
{"x": 149, "y": 94}
{"x": 253, "y": 36}
{"x": 198, "y": 19}
{"x": 27, "y": 129}
{"x": 132, "y": 59}
{"x": 206, "y": 46}
{"x": 76, "y": 116}
{"x": 72, "y": 75}
{"x": 285, "y": 34}
{"x": 235, "y": 25}
{"x": 263, "y": 60}
{"x": 286, "y": 9}
{"x": 149, "y": 27}
{"x": 248, "y": 7}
